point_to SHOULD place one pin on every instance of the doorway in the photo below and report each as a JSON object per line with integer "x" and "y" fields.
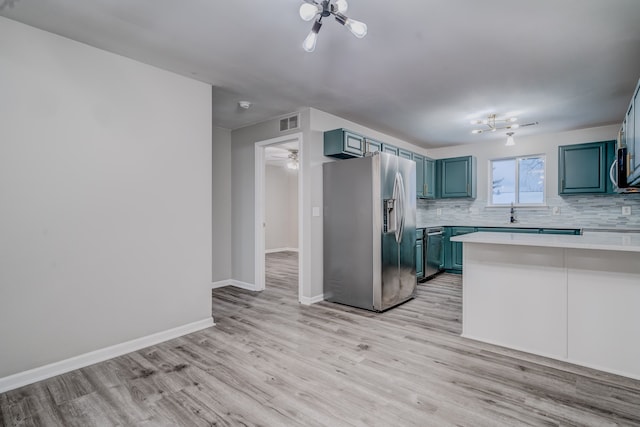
{"x": 278, "y": 205}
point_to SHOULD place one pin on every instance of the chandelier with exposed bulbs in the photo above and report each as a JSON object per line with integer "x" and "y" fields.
{"x": 494, "y": 123}
{"x": 313, "y": 9}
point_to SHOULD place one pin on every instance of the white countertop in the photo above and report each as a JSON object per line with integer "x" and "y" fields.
{"x": 611, "y": 229}
{"x": 497, "y": 225}
{"x": 627, "y": 242}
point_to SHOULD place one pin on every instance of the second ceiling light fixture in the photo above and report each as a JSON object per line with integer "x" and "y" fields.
{"x": 312, "y": 9}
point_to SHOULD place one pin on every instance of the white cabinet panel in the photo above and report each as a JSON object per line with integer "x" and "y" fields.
{"x": 516, "y": 296}
{"x": 604, "y": 310}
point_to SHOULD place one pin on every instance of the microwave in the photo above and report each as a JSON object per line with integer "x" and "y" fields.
{"x": 620, "y": 170}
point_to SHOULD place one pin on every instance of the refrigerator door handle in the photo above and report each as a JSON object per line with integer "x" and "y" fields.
{"x": 613, "y": 172}
{"x": 398, "y": 195}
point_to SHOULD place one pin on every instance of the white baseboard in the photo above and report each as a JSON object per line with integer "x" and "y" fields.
{"x": 270, "y": 251}
{"x": 312, "y": 300}
{"x": 47, "y": 371}
{"x": 243, "y": 285}
{"x": 220, "y": 284}
{"x": 236, "y": 283}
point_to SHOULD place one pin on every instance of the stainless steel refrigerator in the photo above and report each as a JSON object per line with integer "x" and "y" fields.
{"x": 369, "y": 231}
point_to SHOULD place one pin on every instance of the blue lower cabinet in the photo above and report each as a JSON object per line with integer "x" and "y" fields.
{"x": 453, "y": 250}
{"x": 420, "y": 253}
{"x": 456, "y": 247}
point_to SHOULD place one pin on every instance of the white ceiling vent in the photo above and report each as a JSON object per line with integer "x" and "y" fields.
{"x": 289, "y": 123}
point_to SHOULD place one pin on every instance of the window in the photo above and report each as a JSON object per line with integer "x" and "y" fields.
{"x": 517, "y": 180}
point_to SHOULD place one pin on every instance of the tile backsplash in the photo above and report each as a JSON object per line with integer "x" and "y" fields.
{"x": 593, "y": 211}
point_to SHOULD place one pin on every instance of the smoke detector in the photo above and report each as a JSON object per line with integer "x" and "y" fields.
{"x": 244, "y": 104}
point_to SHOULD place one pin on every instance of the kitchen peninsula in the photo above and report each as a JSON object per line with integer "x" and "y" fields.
{"x": 572, "y": 298}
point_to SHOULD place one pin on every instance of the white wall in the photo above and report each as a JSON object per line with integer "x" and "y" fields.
{"x": 281, "y": 208}
{"x": 105, "y": 188}
{"x": 292, "y": 210}
{"x": 221, "y": 207}
{"x": 243, "y": 193}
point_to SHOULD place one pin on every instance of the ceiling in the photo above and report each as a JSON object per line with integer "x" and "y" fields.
{"x": 425, "y": 69}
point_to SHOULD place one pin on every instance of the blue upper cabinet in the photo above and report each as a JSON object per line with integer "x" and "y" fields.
{"x": 405, "y": 154}
{"x": 429, "y": 185}
{"x": 372, "y": 146}
{"x": 425, "y": 177}
{"x": 343, "y": 144}
{"x": 584, "y": 168}
{"x": 419, "y": 174}
{"x": 391, "y": 149}
{"x": 457, "y": 177}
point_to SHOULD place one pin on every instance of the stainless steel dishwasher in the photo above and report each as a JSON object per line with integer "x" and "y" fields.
{"x": 433, "y": 252}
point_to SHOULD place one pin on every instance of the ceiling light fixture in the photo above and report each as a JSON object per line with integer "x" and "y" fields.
{"x": 313, "y": 9}
{"x": 493, "y": 123}
{"x": 293, "y": 160}
{"x": 510, "y": 141}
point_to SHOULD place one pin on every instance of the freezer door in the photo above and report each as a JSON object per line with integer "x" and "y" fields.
{"x": 348, "y": 266}
{"x": 398, "y": 204}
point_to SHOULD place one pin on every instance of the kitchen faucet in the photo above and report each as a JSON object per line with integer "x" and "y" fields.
{"x": 512, "y": 211}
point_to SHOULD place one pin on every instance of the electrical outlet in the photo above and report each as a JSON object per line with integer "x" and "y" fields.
{"x": 438, "y": 212}
{"x": 556, "y": 210}
{"x": 626, "y": 210}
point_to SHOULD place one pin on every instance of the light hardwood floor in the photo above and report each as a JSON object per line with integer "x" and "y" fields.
{"x": 270, "y": 361}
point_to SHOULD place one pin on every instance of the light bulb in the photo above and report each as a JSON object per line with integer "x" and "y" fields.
{"x": 309, "y": 43}
{"x": 342, "y": 5}
{"x": 308, "y": 11}
{"x": 357, "y": 28}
